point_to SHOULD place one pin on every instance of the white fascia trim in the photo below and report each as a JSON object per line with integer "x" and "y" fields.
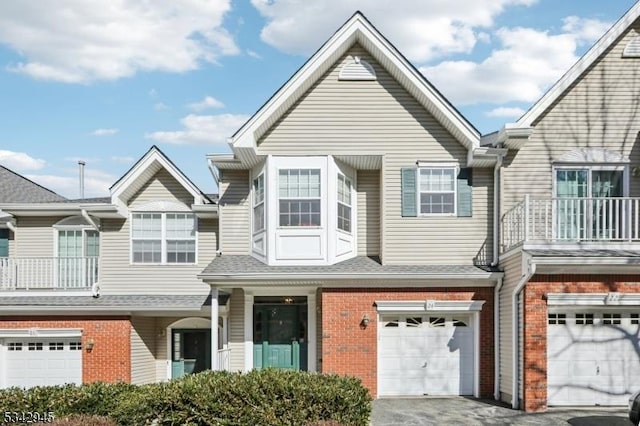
{"x": 40, "y": 332}
{"x": 429, "y": 305}
{"x": 145, "y": 163}
{"x": 357, "y": 27}
{"x": 327, "y": 277}
{"x": 44, "y": 293}
{"x": 580, "y": 66}
{"x": 593, "y": 299}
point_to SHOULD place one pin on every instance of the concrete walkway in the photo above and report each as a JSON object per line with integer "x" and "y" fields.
{"x": 471, "y": 412}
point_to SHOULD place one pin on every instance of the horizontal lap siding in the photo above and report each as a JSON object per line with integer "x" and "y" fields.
{"x": 335, "y": 117}
{"x": 512, "y": 275}
{"x": 599, "y": 111}
{"x": 143, "y": 350}
{"x": 119, "y": 276}
{"x": 236, "y": 330}
{"x": 234, "y": 212}
{"x": 368, "y": 209}
{"x": 34, "y": 237}
{"x": 163, "y": 186}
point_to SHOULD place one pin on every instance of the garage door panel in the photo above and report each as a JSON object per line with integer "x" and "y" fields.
{"x": 593, "y": 363}
{"x": 425, "y": 356}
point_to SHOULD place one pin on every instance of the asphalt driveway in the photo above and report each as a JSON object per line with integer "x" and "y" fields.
{"x": 468, "y": 412}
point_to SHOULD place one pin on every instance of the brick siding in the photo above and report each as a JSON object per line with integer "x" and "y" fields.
{"x": 110, "y": 358}
{"x": 349, "y": 349}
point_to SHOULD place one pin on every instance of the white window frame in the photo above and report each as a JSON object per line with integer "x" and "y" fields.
{"x": 279, "y": 198}
{"x": 440, "y": 166}
{"x": 163, "y": 239}
{"x": 347, "y": 180}
{"x": 60, "y": 226}
{"x": 257, "y": 204}
{"x": 590, "y": 168}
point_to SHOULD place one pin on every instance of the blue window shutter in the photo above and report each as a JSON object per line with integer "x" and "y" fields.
{"x": 4, "y": 242}
{"x": 409, "y": 192}
{"x": 465, "y": 192}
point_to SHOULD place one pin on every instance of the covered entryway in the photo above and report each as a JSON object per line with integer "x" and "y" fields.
{"x": 426, "y": 355}
{"x": 190, "y": 352}
{"x": 280, "y": 332}
{"x": 30, "y": 362}
{"x": 593, "y": 355}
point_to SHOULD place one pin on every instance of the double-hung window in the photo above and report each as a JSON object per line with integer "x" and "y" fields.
{"x": 437, "y": 190}
{"x": 258, "y": 204}
{"x": 299, "y": 197}
{"x": 344, "y": 203}
{"x": 163, "y": 238}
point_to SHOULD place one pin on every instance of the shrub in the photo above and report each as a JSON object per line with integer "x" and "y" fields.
{"x": 273, "y": 397}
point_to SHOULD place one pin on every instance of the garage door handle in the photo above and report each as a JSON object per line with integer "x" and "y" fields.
{"x": 424, "y": 365}
{"x": 598, "y": 370}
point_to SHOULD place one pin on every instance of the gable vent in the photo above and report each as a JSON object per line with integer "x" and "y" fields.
{"x": 357, "y": 69}
{"x": 632, "y": 49}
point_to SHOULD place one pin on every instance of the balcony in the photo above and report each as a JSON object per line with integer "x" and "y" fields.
{"x": 48, "y": 273}
{"x": 571, "y": 220}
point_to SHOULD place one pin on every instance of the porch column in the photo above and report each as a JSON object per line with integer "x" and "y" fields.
{"x": 214, "y": 329}
{"x": 248, "y": 331}
{"x": 311, "y": 331}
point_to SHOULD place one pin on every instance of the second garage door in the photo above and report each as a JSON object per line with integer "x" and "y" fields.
{"x": 425, "y": 355}
{"x": 40, "y": 362}
{"x": 592, "y": 357}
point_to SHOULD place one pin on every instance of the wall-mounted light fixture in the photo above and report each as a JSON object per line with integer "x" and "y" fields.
{"x": 365, "y": 321}
{"x": 90, "y": 344}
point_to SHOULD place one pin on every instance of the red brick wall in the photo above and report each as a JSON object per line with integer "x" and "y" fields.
{"x": 110, "y": 359}
{"x": 535, "y": 323}
{"x": 351, "y": 350}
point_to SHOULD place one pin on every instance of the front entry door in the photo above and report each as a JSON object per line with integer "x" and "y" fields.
{"x": 191, "y": 351}
{"x": 280, "y": 336}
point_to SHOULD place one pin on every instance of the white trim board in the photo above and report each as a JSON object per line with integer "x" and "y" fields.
{"x": 429, "y": 305}
{"x": 593, "y": 299}
{"x": 35, "y": 332}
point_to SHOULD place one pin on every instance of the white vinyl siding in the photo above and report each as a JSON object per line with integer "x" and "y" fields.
{"x": 512, "y": 274}
{"x": 598, "y": 110}
{"x": 34, "y": 237}
{"x": 234, "y": 208}
{"x": 368, "y": 211}
{"x": 236, "y": 329}
{"x": 162, "y": 186}
{"x": 346, "y": 117}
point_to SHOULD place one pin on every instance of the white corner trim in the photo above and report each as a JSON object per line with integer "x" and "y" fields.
{"x": 40, "y": 332}
{"x": 429, "y": 305}
{"x": 593, "y": 299}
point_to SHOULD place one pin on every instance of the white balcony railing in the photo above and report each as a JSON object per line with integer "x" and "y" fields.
{"x": 224, "y": 359}
{"x": 48, "y": 273}
{"x": 569, "y": 220}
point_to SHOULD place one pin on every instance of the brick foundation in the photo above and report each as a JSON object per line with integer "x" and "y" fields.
{"x": 110, "y": 358}
{"x": 535, "y": 323}
{"x": 351, "y": 350}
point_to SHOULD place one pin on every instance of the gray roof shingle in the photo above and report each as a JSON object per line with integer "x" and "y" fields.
{"x": 146, "y": 302}
{"x": 15, "y": 188}
{"x": 240, "y": 265}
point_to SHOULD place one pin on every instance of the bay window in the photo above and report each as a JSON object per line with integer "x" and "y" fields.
{"x": 163, "y": 238}
{"x": 299, "y": 197}
{"x": 258, "y": 204}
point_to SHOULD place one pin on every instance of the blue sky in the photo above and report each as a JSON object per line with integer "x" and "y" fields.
{"x": 103, "y": 81}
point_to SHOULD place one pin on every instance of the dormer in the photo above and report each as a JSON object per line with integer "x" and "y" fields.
{"x": 303, "y": 211}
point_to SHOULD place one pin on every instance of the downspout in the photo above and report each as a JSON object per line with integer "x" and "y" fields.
{"x": 496, "y": 210}
{"x": 496, "y": 339}
{"x": 12, "y": 227}
{"x": 531, "y": 270}
{"x": 89, "y": 219}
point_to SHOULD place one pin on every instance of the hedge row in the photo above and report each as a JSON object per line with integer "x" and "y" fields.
{"x": 260, "y": 397}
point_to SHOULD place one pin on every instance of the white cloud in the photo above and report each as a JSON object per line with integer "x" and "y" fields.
{"x": 96, "y": 183}
{"x": 207, "y": 102}
{"x": 79, "y": 41}
{"x": 104, "y": 132}
{"x": 20, "y": 161}
{"x": 253, "y": 54}
{"x": 159, "y": 106}
{"x": 508, "y": 112}
{"x": 526, "y": 63}
{"x": 585, "y": 30}
{"x": 202, "y": 129}
{"x": 421, "y": 29}
{"x": 125, "y": 160}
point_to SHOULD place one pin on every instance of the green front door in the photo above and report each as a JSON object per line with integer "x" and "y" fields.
{"x": 280, "y": 336}
{"x": 191, "y": 351}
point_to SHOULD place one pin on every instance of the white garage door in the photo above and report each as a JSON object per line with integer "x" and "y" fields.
{"x": 425, "y": 355}
{"x": 593, "y": 357}
{"x": 38, "y": 362}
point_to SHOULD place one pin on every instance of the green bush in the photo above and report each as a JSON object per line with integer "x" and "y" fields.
{"x": 261, "y": 397}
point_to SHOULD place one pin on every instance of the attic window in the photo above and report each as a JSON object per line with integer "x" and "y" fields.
{"x": 632, "y": 49}
{"x": 357, "y": 69}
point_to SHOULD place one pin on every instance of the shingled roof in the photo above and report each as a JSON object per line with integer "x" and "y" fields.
{"x": 15, "y": 188}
